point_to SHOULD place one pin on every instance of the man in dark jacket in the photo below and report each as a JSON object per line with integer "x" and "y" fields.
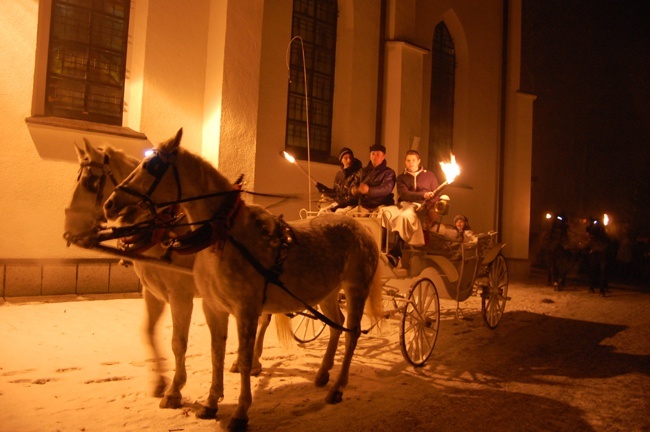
{"x": 376, "y": 182}
{"x": 343, "y": 181}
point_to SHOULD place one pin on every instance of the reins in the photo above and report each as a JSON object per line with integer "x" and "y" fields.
{"x": 217, "y": 230}
{"x": 272, "y": 275}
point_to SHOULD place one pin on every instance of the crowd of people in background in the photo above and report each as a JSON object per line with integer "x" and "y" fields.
{"x": 584, "y": 248}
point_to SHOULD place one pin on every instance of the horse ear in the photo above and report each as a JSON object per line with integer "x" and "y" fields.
{"x": 172, "y": 144}
{"x": 92, "y": 152}
{"x": 80, "y": 152}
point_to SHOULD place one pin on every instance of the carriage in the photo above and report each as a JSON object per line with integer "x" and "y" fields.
{"x": 445, "y": 268}
{"x": 250, "y": 263}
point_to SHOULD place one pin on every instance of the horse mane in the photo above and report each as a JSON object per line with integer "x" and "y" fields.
{"x": 202, "y": 169}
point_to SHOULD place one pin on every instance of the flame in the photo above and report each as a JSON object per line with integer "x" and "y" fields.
{"x": 289, "y": 157}
{"x": 548, "y": 216}
{"x": 451, "y": 169}
{"x": 605, "y": 219}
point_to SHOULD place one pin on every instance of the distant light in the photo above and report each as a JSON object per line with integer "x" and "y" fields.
{"x": 548, "y": 216}
{"x": 605, "y": 219}
{"x": 560, "y": 218}
{"x": 149, "y": 152}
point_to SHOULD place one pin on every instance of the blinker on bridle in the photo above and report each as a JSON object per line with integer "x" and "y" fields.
{"x": 156, "y": 166}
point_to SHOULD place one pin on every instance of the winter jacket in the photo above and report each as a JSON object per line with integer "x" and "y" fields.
{"x": 381, "y": 181}
{"x": 343, "y": 181}
{"x": 411, "y": 187}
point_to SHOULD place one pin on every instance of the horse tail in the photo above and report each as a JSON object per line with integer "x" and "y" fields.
{"x": 283, "y": 329}
{"x": 374, "y": 304}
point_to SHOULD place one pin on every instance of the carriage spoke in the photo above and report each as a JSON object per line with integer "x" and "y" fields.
{"x": 306, "y": 328}
{"x": 496, "y": 293}
{"x": 420, "y": 323}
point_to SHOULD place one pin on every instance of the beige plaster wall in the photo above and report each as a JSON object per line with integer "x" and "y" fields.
{"x": 174, "y": 71}
{"x": 34, "y": 191}
{"x": 37, "y": 188}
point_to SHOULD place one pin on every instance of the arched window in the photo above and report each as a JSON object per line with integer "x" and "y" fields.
{"x": 443, "y": 72}
{"x": 315, "y": 22}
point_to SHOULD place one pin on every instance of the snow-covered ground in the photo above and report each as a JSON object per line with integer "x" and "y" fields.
{"x": 559, "y": 361}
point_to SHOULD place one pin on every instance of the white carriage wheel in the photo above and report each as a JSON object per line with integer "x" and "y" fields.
{"x": 306, "y": 328}
{"x": 495, "y": 295}
{"x": 420, "y": 322}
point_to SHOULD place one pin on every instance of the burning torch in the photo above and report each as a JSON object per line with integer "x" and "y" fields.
{"x": 293, "y": 161}
{"x": 451, "y": 171}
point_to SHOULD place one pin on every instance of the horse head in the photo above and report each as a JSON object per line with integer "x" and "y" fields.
{"x": 100, "y": 170}
{"x": 133, "y": 200}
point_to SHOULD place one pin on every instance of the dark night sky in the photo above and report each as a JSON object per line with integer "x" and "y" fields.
{"x": 588, "y": 62}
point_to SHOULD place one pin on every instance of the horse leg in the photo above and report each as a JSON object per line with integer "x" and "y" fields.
{"x": 155, "y": 308}
{"x": 218, "y": 325}
{"x": 246, "y": 326}
{"x": 353, "y": 322}
{"x": 331, "y": 309}
{"x": 262, "y": 324}
{"x": 181, "y": 305}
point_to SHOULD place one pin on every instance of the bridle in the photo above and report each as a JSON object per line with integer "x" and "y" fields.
{"x": 92, "y": 183}
{"x": 156, "y": 166}
{"x": 105, "y": 169}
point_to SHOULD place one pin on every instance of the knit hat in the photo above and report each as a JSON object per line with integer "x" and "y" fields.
{"x": 378, "y": 147}
{"x": 462, "y": 217}
{"x": 345, "y": 151}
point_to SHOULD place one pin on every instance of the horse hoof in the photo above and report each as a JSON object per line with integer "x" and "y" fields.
{"x": 237, "y": 425}
{"x": 334, "y": 397}
{"x": 322, "y": 379}
{"x": 172, "y": 402}
{"x": 234, "y": 368}
{"x": 206, "y": 413}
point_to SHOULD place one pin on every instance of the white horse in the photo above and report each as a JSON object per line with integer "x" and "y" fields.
{"x": 100, "y": 171}
{"x": 257, "y": 263}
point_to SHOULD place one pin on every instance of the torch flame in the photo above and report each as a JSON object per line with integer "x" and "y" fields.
{"x": 451, "y": 169}
{"x": 289, "y": 157}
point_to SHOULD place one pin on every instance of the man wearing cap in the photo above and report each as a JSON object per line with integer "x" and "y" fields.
{"x": 377, "y": 181}
{"x": 343, "y": 181}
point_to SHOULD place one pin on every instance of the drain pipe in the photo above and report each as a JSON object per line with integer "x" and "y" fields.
{"x": 380, "y": 75}
{"x": 502, "y": 125}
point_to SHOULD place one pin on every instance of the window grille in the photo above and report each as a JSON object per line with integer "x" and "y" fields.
{"x": 443, "y": 74}
{"x": 87, "y": 60}
{"x": 315, "y": 22}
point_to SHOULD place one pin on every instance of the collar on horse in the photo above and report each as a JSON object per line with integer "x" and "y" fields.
{"x": 157, "y": 233}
